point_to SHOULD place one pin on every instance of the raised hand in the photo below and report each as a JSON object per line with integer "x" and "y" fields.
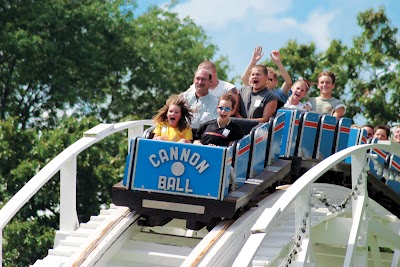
{"x": 257, "y": 54}
{"x": 275, "y": 56}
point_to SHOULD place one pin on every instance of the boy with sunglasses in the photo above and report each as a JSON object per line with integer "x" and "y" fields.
{"x": 221, "y": 131}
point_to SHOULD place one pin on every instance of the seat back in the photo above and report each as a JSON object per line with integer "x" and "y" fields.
{"x": 148, "y": 133}
{"x": 341, "y": 134}
{"x": 325, "y": 137}
{"x": 245, "y": 124}
{"x": 290, "y": 130}
{"x": 356, "y": 137}
{"x": 305, "y": 141}
{"x": 274, "y": 139}
{"x": 259, "y": 136}
{"x": 242, "y": 157}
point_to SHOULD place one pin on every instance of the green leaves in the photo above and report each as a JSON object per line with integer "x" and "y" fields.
{"x": 367, "y": 73}
{"x": 167, "y": 52}
{"x": 374, "y": 56}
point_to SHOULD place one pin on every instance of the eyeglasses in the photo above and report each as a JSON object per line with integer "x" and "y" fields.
{"x": 225, "y": 109}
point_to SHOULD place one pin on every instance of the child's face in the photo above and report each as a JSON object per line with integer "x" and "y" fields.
{"x": 326, "y": 86}
{"x": 174, "y": 115}
{"x": 380, "y": 134}
{"x": 257, "y": 78}
{"x": 299, "y": 90}
{"x": 224, "y": 115}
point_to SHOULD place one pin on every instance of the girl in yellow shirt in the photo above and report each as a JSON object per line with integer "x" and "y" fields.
{"x": 173, "y": 120}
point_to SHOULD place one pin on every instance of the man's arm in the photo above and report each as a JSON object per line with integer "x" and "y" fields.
{"x": 338, "y": 113}
{"x": 257, "y": 55}
{"x": 269, "y": 110}
{"x": 287, "y": 84}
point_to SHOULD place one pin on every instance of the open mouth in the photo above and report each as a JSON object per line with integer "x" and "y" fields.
{"x": 172, "y": 120}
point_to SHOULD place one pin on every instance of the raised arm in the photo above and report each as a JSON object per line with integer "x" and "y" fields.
{"x": 257, "y": 55}
{"x": 287, "y": 84}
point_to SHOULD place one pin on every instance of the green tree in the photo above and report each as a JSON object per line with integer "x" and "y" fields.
{"x": 367, "y": 73}
{"x": 374, "y": 69}
{"x": 168, "y": 51}
{"x": 91, "y": 58}
{"x": 60, "y": 54}
{"x": 99, "y": 168}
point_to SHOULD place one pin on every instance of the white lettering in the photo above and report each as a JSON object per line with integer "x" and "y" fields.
{"x": 185, "y": 155}
{"x": 163, "y": 155}
{"x": 194, "y": 159}
{"x": 171, "y": 183}
{"x": 162, "y": 182}
{"x": 202, "y": 166}
{"x": 155, "y": 164}
{"x": 173, "y": 153}
{"x": 187, "y": 189}
{"x": 177, "y": 185}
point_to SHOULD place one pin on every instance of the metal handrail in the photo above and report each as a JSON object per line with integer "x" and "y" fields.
{"x": 300, "y": 190}
{"x": 65, "y": 162}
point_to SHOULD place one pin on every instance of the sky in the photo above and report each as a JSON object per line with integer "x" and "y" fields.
{"x": 238, "y": 26}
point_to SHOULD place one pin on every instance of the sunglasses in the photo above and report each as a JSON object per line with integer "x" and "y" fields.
{"x": 225, "y": 109}
{"x": 270, "y": 80}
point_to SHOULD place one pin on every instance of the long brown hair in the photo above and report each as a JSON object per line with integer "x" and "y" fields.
{"x": 186, "y": 115}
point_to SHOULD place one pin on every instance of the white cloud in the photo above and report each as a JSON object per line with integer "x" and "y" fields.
{"x": 218, "y": 14}
{"x": 237, "y": 26}
{"x": 262, "y": 16}
{"x": 317, "y": 26}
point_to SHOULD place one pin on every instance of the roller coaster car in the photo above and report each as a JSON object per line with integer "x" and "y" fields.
{"x": 201, "y": 184}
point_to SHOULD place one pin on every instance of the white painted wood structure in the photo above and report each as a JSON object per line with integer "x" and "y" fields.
{"x": 302, "y": 226}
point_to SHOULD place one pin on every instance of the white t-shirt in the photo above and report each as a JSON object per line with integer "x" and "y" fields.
{"x": 221, "y": 89}
{"x": 298, "y": 106}
{"x": 204, "y": 108}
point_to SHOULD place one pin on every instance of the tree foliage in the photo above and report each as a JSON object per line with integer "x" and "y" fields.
{"x": 374, "y": 73}
{"x": 167, "y": 51}
{"x": 59, "y": 54}
{"x": 367, "y": 73}
{"x": 94, "y": 58}
{"x": 99, "y": 168}
{"x": 90, "y": 58}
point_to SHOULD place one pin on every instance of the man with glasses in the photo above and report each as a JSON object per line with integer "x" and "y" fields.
{"x": 272, "y": 79}
{"x": 200, "y": 100}
{"x": 218, "y": 87}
